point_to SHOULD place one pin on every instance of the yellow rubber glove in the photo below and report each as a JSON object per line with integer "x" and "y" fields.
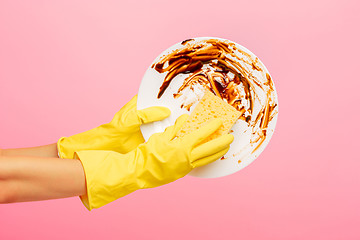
{"x": 163, "y": 159}
{"x": 122, "y": 134}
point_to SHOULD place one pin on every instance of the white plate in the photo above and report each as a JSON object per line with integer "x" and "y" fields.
{"x": 241, "y": 152}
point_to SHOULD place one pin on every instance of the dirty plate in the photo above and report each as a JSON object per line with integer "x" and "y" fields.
{"x": 178, "y": 77}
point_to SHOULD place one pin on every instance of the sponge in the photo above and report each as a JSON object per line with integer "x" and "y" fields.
{"x": 210, "y": 107}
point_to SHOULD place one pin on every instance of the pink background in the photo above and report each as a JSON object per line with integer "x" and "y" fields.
{"x": 68, "y": 66}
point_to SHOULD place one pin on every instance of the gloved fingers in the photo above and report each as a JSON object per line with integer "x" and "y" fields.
{"x": 152, "y": 114}
{"x": 202, "y": 133}
{"x": 212, "y": 147}
{"x": 170, "y": 132}
{"x": 210, "y": 159}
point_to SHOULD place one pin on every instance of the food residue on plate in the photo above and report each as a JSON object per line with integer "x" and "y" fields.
{"x": 230, "y": 73}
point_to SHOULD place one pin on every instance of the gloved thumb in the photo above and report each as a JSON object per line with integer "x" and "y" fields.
{"x": 153, "y": 114}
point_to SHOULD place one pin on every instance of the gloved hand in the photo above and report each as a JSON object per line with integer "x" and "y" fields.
{"x": 162, "y": 159}
{"x": 122, "y": 134}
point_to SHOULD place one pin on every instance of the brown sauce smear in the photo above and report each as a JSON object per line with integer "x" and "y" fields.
{"x": 214, "y": 64}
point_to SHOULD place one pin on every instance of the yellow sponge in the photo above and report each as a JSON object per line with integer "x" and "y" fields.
{"x": 210, "y": 107}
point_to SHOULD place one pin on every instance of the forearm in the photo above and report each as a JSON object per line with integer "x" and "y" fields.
{"x": 37, "y": 178}
{"x": 49, "y": 151}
